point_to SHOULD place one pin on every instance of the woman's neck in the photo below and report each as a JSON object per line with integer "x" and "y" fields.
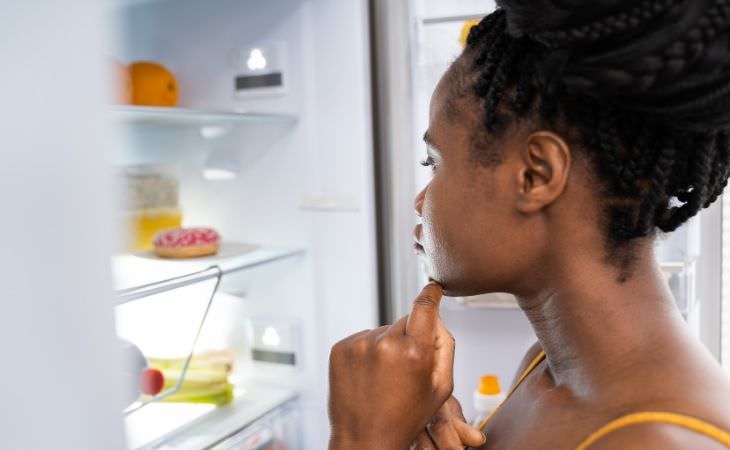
{"x": 592, "y": 327}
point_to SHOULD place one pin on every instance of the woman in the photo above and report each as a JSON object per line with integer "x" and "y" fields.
{"x": 564, "y": 139}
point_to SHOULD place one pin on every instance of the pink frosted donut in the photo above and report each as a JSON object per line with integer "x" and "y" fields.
{"x": 187, "y": 242}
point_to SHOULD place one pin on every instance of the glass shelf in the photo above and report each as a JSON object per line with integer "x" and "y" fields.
{"x": 153, "y": 115}
{"x": 135, "y": 270}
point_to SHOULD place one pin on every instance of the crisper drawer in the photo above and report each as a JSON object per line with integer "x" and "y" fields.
{"x": 277, "y": 430}
{"x": 181, "y": 426}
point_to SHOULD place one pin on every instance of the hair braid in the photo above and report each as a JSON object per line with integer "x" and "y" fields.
{"x": 701, "y": 169}
{"x": 716, "y": 184}
{"x": 491, "y": 60}
{"x": 655, "y": 199}
{"x": 720, "y": 166}
{"x": 502, "y": 74}
{"x": 525, "y": 90}
{"x": 609, "y": 148}
{"x": 608, "y": 27}
{"x": 631, "y": 169}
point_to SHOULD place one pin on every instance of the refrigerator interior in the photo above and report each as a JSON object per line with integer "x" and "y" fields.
{"x": 301, "y": 195}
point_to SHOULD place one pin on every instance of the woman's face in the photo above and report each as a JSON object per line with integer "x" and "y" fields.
{"x": 472, "y": 238}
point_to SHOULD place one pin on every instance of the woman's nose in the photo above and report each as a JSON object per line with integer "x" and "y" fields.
{"x": 418, "y": 203}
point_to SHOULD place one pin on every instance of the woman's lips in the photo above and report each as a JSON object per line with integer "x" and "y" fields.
{"x": 417, "y": 238}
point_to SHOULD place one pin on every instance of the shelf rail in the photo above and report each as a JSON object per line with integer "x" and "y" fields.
{"x": 146, "y": 290}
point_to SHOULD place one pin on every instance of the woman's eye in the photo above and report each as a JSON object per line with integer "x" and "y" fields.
{"x": 429, "y": 162}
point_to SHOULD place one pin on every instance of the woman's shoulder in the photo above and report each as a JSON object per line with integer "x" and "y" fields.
{"x": 693, "y": 389}
{"x": 680, "y": 403}
{"x": 658, "y": 436}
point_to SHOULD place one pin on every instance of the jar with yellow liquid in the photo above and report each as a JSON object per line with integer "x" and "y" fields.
{"x": 150, "y": 198}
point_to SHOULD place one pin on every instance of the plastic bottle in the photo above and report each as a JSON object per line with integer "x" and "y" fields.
{"x": 487, "y": 398}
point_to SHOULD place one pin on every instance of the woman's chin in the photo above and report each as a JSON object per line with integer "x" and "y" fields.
{"x": 455, "y": 288}
{"x": 454, "y": 285}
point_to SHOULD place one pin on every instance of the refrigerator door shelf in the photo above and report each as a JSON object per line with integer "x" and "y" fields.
{"x": 491, "y": 301}
{"x": 681, "y": 280}
{"x": 198, "y": 426}
{"x": 449, "y": 19}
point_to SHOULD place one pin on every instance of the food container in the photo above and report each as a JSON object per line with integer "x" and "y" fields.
{"x": 150, "y": 204}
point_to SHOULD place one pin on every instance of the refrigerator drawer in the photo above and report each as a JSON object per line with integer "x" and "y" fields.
{"x": 181, "y": 426}
{"x": 277, "y": 430}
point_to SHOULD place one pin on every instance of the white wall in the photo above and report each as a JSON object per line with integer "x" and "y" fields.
{"x": 56, "y": 330}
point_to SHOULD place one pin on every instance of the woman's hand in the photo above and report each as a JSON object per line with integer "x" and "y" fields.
{"x": 448, "y": 430}
{"x": 387, "y": 383}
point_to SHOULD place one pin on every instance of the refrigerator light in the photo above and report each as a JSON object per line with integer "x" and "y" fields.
{"x": 271, "y": 337}
{"x": 256, "y": 60}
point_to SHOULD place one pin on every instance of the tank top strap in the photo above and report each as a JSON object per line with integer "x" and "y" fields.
{"x": 681, "y": 420}
{"x": 535, "y": 362}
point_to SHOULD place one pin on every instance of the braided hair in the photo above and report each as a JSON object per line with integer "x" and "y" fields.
{"x": 644, "y": 85}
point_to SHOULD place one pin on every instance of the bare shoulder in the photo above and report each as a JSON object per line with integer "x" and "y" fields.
{"x": 656, "y": 436}
{"x": 530, "y": 355}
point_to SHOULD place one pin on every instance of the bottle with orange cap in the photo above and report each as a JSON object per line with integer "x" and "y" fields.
{"x": 487, "y": 398}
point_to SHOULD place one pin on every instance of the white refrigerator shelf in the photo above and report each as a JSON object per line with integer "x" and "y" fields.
{"x": 197, "y": 426}
{"x": 156, "y": 115}
{"x": 140, "y": 275}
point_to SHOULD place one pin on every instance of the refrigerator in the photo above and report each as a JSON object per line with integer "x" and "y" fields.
{"x": 296, "y": 135}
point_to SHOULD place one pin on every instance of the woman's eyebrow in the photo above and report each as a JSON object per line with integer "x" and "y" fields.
{"x": 429, "y": 141}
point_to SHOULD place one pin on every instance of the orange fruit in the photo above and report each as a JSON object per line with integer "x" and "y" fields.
{"x": 152, "y": 84}
{"x": 122, "y": 82}
{"x": 465, "y": 29}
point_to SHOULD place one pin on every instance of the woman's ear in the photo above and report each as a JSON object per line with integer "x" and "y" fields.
{"x": 545, "y": 161}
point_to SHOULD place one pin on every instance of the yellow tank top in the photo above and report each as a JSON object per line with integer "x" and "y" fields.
{"x": 681, "y": 420}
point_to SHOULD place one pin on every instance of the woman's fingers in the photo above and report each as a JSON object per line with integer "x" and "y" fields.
{"x": 386, "y": 383}
{"x": 448, "y": 433}
{"x": 443, "y": 433}
{"x": 469, "y": 436}
{"x": 423, "y": 442}
{"x": 448, "y": 430}
{"x": 423, "y": 321}
{"x": 445, "y": 347}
